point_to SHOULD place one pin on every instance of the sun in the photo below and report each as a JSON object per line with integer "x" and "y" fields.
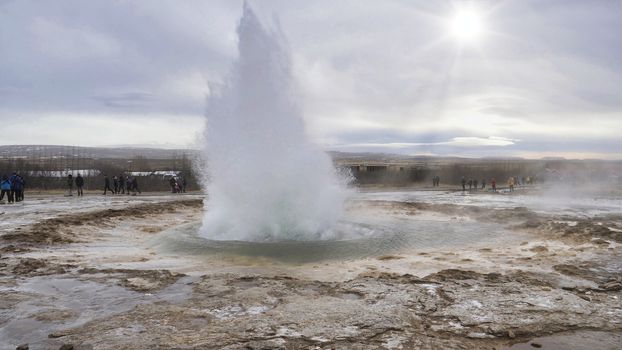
{"x": 466, "y": 25}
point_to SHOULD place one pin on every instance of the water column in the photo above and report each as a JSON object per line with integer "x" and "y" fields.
{"x": 265, "y": 180}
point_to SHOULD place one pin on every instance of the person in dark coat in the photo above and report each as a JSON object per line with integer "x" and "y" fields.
{"x": 107, "y": 184}
{"x": 22, "y": 187}
{"x": 135, "y": 185}
{"x": 128, "y": 184}
{"x": 115, "y": 184}
{"x": 173, "y": 184}
{"x": 14, "y": 182}
{"x": 122, "y": 183}
{"x": 18, "y": 187}
{"x": 79, "y": 185}
{"x": 70, "y": 185}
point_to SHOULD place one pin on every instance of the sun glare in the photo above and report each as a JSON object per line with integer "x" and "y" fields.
{"x": 466, "y": 25}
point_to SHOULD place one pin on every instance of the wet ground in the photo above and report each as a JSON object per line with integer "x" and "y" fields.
{"x": 414, "y": 269}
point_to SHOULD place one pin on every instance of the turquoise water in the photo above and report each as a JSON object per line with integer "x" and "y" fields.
{"x": 363, "y": 235}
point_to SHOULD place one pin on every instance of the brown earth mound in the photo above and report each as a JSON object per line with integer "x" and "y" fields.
{"x": 58, "y": 230}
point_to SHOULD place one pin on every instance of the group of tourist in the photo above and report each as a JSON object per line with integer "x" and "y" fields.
{"x": 13, "y": 187}
{"x": 473, "y": 184}
{"x": 178, "y": 184}
{"x": 518, "y": 181}
{"x": 513, "y": 181}
{"x": 121, "y": 185}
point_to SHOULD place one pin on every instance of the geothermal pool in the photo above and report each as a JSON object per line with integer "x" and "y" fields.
{"x": 362, "y": 234}
{"x": 376, "y": 223}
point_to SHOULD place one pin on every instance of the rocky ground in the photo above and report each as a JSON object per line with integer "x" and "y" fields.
{"x": 91, "y": 279}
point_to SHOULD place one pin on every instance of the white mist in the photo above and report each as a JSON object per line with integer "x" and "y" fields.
{"x": 265, "y": 180}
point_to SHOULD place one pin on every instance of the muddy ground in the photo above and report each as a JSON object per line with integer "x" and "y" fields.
{"x": 92, "y": 280}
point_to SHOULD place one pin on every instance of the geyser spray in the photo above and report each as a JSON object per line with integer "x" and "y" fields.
{"x": 265, "y": 180}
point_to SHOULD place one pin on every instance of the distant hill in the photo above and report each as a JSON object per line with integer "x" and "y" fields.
{"x": 127, "y": 152}
{"x": 50, "y": 151}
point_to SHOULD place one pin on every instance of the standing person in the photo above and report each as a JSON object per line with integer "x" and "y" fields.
{"x": 21, "y": 193}
{"x": 470, "y": 184}
{"x": 107, "y": 184}
{"x": 493, "y": 183}
{"x": 438, "y": 180}
{"x": 172, "y": 182}
{"x": 122, "y": 183}
{"x": 18, "y": 188}
{"x": 183, "y": 184}
{"x": 128, "y": 184}
{"x": 22, "y": 187}
{"x": 70, "y": 184}
{"x": 483, "y": 183}
{"x": 135, "y": 185}
{"x": 115, "y": 184}
{"x": 79, "y": 185}
{"x": 5, "y": 188}
{"x": 177, "y": 185}
{"x": 511, "y": 184}
{"x": 13, "y": 180}
{"x": 463, "y": 181}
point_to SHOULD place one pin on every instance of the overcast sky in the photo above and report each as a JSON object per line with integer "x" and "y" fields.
{"x": 542, "y": 78}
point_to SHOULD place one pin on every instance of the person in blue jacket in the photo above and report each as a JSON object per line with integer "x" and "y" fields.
{"x": 5, "y": 188}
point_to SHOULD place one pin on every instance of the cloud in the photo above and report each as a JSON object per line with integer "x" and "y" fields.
{"x": 104, "y": 129}
{"x": 125, "y": 100}
{"x": 456, "y": 141}
{"x": 71, "y": 43}
{"x": 479, "y": 141}
{"x": 545, "y": 78}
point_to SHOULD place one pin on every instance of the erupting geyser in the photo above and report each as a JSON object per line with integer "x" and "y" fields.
{"x": 265, "y": 180}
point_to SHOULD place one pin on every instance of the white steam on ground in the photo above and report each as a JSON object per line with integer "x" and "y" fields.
{"x": 265, "y": 180}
